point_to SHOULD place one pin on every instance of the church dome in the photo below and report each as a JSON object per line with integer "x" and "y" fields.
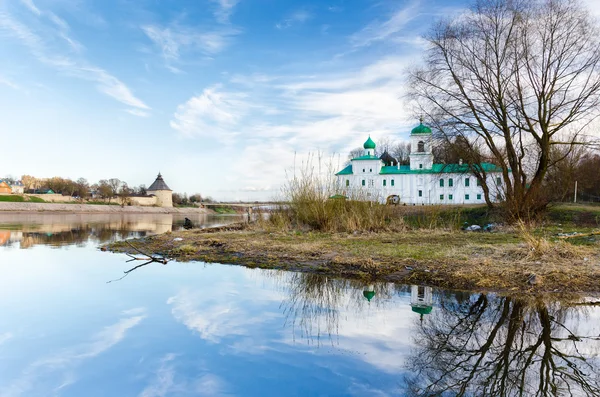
{"x": 369, "y": 144}
{"x": 421, "y": 129}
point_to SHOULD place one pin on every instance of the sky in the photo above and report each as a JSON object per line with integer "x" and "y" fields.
{"x": 223, "y": 97}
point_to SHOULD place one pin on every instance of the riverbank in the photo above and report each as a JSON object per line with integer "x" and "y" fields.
{"x": 505, "y": 261}
{"x": 95, "y": 209}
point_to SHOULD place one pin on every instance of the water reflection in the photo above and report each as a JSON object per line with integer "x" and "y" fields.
{"x": 485, "y": 345}
{"x": 28, "y": 230}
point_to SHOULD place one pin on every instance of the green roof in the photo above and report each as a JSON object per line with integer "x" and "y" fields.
{"x": 338, "y": 196}
{"x": 369, "y": 144}
{"x": 421, "y": 129}
{"x": 346, "y": 171}
{"x": 366, "y": 157}
{"x": 422, "y": 309}
{"x": 369, "y": 295}
{"x": 435, "y": 169}
{"x": 439, "y": 169}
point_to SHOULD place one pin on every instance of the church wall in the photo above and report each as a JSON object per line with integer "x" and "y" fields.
{"x": 407, "y": 186}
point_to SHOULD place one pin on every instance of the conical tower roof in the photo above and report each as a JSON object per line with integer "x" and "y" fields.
{"x": 158, "y": 184}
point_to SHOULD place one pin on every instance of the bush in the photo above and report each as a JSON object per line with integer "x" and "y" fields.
{"x": 310, "y": 206}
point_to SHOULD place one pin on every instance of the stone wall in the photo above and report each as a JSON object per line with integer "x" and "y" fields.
{"x": 144, "y": 201}
{"x": 53, "y": 198}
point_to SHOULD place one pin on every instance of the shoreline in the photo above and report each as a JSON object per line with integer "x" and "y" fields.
{"x": 491, "y": 262}
{"x": 24, "y": 207}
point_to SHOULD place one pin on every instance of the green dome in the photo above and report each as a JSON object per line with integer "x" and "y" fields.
{"x": 369, "y": 295}
{"x": 422, "y": 309}
{"x": 369, "y": 144}
{"x": 421, "y": 129}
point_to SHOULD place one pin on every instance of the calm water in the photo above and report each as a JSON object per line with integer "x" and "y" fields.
{"x": 193, "y": 329}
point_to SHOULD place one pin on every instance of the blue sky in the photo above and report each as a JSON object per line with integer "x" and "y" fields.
{"x": 218, "y": 95}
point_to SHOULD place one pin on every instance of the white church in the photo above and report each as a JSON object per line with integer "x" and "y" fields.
{"x": 369, "y": 177}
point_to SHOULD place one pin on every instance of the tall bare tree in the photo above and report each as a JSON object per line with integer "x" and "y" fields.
{"x": 519, "y": 77}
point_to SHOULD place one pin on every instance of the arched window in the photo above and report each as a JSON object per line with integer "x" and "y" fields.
{"x": 421, "y": 147}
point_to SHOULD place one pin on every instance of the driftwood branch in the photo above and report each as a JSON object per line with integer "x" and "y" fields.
{"x": 145, "y": 257}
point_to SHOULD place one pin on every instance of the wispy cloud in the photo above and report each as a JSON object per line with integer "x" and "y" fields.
{"x": 383, "y": 30}
{"x": 298, "y": 17}
{"x": 225, "y": 9}
{"x": 5, "y": 336}
{"x": 214, "y": 113}
{"x": 31, "y": 6}
{"x": 49, "y": 369}
{"x": 175, "y": 40}
{"x": 61, "y": 60}
{"x": 11, "y": 84}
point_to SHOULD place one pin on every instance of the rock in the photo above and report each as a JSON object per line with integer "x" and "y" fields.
{"x": 534, "y": 279}
{"x": 473, "y": 228}
{"x": 177, "y": 239}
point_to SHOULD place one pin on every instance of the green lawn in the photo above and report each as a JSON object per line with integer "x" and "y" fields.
{"x": 11, "y": 198}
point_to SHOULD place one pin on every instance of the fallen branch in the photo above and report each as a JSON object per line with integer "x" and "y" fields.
{"x": 596, "y": 233}
{"x": 148, "y": 258}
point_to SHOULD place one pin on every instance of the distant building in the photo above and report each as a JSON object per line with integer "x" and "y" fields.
{"x": 374, "y": 178}
{"x": 5, "y": 188}
{"x": 18, "y": 187}
{"x": 159, "y": 189}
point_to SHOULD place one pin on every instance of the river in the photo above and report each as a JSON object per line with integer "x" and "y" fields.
{"x": 71, "y": 325}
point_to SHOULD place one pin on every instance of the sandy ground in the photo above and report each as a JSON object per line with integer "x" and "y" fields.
{"x": 88, "y": 208}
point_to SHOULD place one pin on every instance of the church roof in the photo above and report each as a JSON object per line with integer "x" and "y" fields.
{"x": 435, "y": 169}
{"x": 366, "y": 157}
{"x": 421, "y": 129}
{"x": 369, "y": 144}
{"x": 158, "y": 184}
{"x": 422, "y": 309}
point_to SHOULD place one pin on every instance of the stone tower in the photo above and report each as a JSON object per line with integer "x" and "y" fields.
{"x": 164, "y": 195}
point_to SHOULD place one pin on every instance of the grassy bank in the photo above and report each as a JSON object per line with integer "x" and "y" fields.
{"x": 16, "y": 198}
{"x": 505, "y": 260}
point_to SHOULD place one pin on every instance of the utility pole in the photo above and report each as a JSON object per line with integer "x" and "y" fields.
{"x": 575, "y": 196}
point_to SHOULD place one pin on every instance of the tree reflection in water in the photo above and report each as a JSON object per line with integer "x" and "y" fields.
{"x": 484, "y": 345}
{"x": 314, "y": 303}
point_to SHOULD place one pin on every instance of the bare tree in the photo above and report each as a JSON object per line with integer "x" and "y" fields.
{"x": 518, "y": 76}
{"x": 114, "y": 184}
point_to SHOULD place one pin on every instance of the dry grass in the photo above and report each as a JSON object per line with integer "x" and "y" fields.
{"x": 501, "y": 261}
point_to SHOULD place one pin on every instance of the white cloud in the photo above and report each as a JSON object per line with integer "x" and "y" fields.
{"x": 214, "y": 113}
{"x": 50, "y": 369}
{"x": 175, "y": 39}
{"x": 138, "y": 112}
{"x": 31, "y": 6}
{"x": 9, "y": 83}
{"x": 379, "y": 31}
{"x": 225, "y": 9}
{"x": 77, "y": 67}
{"x": 5, "y": 336}
{"x": 298, "y": 17}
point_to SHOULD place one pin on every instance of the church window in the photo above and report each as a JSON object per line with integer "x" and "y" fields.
{"x": 441, "y": 183}
{"x": 347, "y": 182}
{"x": 392, "y": 182}
{"x": 478, "y": 182}
{"x": 450, "y": 182}
{"x": 371, "y": 183}
{"x": 421, "y": 147}
{"x": 466, "y": 182}
{"x": 441, "y": 196}
{"x": 420, "y": 193}
{"x": 449, "y": 197}
{"x": 498, "y": 181}
{"x": 363, "y": 170}
{"x": 420, "y": 165}
{"x": 479, "y": 197}
{"x": 466, "y": 196}
{"x": 370, "y": 169}
{"x": 363, "y": 182}
{"x": 384, "y": 182}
